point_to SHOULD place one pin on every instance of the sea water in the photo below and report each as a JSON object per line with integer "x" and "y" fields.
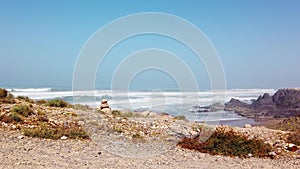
{"x": 171, "y": 102}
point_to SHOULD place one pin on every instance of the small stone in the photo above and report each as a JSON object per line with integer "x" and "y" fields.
{"x": 13, "y": 126}
{"x": 247, "y": 126}
{"x": 104, "y": 101}
{"x": 272, "y": 154}
{"x": 63, "y": 137}
{"x": 20, "y": 137}
{"x": 81, "y": 123}
{"x": 99, "y": 153}
{"x": 193, "y": 133}
{"x": 292, "y": 147}
{"x": 250, "y": 155}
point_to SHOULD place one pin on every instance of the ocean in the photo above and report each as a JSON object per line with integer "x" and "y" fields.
{"x": 171, "y": 102}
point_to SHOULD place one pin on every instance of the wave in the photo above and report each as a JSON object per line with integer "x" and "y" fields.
{"x": 31, "y": 90}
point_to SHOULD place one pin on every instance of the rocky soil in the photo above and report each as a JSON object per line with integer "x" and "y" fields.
{"x": 18, "y": 152}
{"x": 123, "y": 139}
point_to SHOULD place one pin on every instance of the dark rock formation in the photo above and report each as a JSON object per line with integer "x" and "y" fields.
{"x": 284, "y": 103}
{"x": 211, "y": 108}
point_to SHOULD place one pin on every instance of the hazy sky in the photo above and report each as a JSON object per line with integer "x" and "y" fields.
{"x": 257, "y": 41}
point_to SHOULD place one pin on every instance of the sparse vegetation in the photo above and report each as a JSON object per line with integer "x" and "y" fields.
{"x": 44, "y": 130}
{"x": 6, "y": 97}
{"x": 289, "y": 124}
{"x": 125, "y": 114}
{"x": 181, "y": 117}
{"x": 81, "y": 107}
{"x": 25, "y": 98}
{"x": 3, "y": 93}
{"x": 25, "y": 117}
{"x": 294, "y": 137}
{"x": 22, "y": 110}
{"x": 42, "y": 102}
{"x": 227, "y": 142}
{"x": 57, "y": 103}
{"x": 16, "y": 117}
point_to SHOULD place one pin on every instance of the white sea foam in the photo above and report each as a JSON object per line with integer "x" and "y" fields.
{"x": 171, "y": 102}
{"x": 31, "y": 90}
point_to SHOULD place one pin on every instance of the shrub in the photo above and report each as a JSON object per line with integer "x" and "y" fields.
{"x": 44, "y": 130}
{"x": 25, "y": 98}
{"x": 181, "y": 117}
{"x": 81, "y": 107}
{"x": 227, "y": 142}
{"x": 16, "y": 117}
{"x": 23, "y": 110}
{"x": 116, "y": 113}
{"x": 7, "y": 100}
{"x": 57, "y": 103}
{"x": 3, "y": 93}
{"x": 42, "y": 102}
{"x": 125, "y": 114}
{"x": 6, "y": 97}
{"x": 294, "y": 137}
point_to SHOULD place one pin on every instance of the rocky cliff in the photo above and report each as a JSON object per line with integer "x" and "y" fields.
{"x": 284, "y": 103}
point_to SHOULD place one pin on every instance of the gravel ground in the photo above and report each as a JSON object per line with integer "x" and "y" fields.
{"x": 108, "y": 149}
{"x": 43, "y": 153}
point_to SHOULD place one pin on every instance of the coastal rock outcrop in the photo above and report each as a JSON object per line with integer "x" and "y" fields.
{"x": 284, "y": 103}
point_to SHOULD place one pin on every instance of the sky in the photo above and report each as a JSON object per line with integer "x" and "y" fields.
{"x": 258, "y": 41}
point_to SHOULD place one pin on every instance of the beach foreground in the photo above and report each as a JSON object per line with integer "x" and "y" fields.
{"x": 119, "y": 139}
{"x": 43, "y": 153}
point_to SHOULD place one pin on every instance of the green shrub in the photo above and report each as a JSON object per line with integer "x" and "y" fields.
{"x": 117, "y": 113}
{"x": 57, "y": 103}
{"x": 81, "y": 107}
{"x": 25, "y": 98}
{"x": 125, "y": 114}
{"x": 42, "y": 102}
{"x": 181, "y": 117}
{"x": 294, "y": 137}
{"x": 44, "y": 130}
{"x": 16, "y": 117}
{"x": 22, "y": 110}
{"x": 227, "y": 142}
{"x": 3, "y": 93}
